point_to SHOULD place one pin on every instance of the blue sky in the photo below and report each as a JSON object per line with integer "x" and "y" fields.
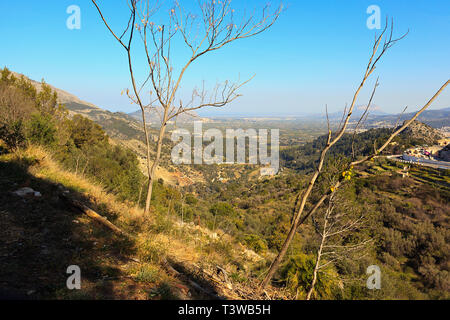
{"x": 314, "y": 55}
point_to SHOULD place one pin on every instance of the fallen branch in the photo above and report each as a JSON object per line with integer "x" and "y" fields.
{"x": 95, "y": 216}
{"x": 204, "y": 291}
{"x": 171, "y": 270}
{"x": 225, "y": 277}
{"x": 189, "y": 272}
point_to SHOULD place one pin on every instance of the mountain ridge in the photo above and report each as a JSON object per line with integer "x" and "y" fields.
{"x": 128, "y": 125}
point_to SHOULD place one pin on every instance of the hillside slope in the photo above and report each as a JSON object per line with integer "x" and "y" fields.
{"x": 304, "y": 158}
{"x": 125, "y": 130}
{"x": 160, "y": 259}
{"x": 407, "y": 221}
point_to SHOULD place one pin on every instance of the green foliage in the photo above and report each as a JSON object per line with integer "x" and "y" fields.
{"x": 46, "y": 100}
{"x": 306, "y": 157}
{"x": 412, "y": 233}
{"x": 27, "y": 116}
{"x": 164, "y": 292}
{"x": 222, "y": 209}
{"x": 116, "y": 168}
{"x": 148, "y": 273}
{"x": 406, "y": 219}
{"x": 13, "y": 134}
{"x": 151, "y": 251}
{"x": 297, "y": 274}
{"x": 86, "y": 133}
{"x": 223, "y": 214}
{"x": 16, "y": 106}
{"x": 255, "y": 242}
{"x": 42, "y": 130}
{"x": 191, "y": 199}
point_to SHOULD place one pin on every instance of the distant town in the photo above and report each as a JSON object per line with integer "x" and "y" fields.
{"x": 437, "y": 156}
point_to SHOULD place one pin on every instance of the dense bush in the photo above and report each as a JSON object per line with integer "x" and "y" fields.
{"x": 42, "y": 130}
{"x": 253, "y": 241}
{"x": 13, "y": 134}
{"x": 191, "y": 199}
{"x": 29, "y": 116}
{"x": 297, "y": 274}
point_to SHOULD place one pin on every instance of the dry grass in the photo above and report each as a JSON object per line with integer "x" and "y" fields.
{"x": 152, "y": 242}
{"x": 173, "y": 242}
{"x": 45, "y": 167}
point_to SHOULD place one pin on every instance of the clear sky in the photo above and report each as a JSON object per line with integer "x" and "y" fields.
{"x": 314, "y": 55}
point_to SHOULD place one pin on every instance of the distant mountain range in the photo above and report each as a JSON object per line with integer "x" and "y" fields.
{"x": 434, "y": 118}
{"x": 128, "y": 126}
{"x": 117, "y": 125}
{"x": 377, "y": 118}
{"x": 154, "y": 116}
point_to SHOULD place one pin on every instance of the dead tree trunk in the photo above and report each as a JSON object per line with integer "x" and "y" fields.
{"x": 319, "y": 256}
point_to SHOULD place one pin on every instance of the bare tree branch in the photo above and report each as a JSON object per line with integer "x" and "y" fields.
{"x": 217, "y": 18}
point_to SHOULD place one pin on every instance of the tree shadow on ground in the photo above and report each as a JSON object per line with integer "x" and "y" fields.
{"x": 42, "y": 236}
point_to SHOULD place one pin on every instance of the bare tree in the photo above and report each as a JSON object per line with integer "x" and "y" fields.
{"x": 302, "y": 199}
{"x": 333, "y": 224}
{"x": 219, "y": 27}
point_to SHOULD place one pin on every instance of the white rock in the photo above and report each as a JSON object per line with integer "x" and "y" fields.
{"x": 22, "y": 192}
